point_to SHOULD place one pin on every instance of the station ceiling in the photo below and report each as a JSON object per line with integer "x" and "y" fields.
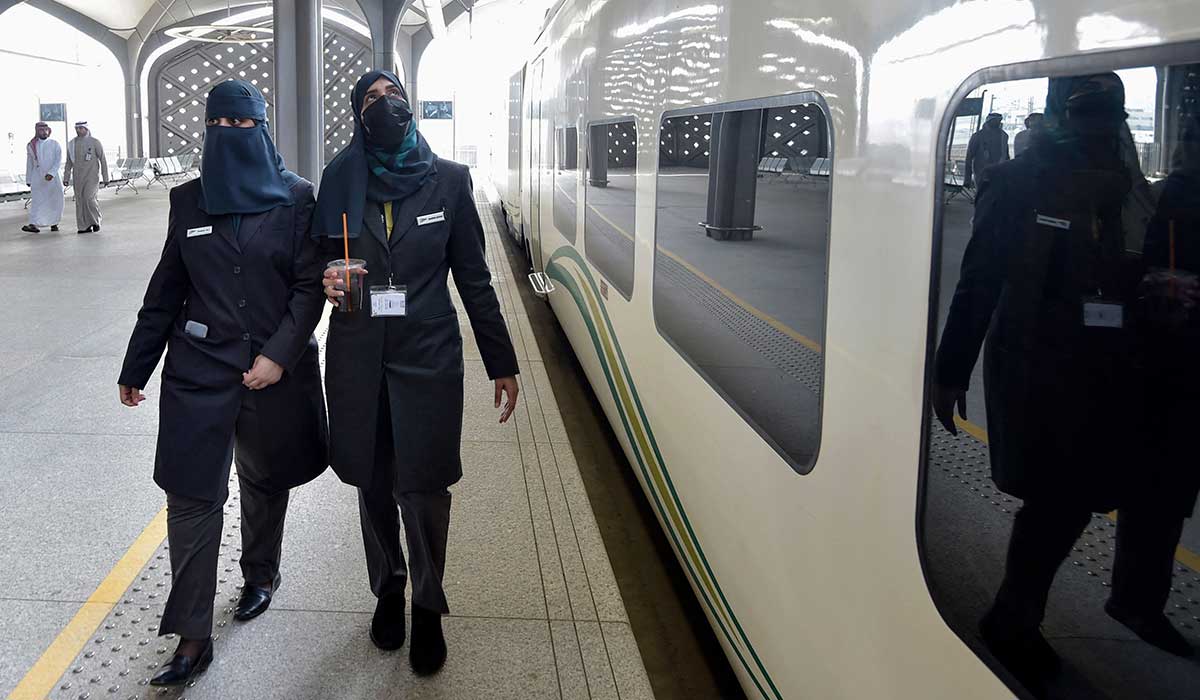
{"x": 125, "y": 17}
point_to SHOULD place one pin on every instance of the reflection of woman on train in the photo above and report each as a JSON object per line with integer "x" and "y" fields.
{"x": 1046, "y": 278}
{"x": 234, "y": 299}
{"x": 1171, "y": 480}
{"x": 395, "y": 378}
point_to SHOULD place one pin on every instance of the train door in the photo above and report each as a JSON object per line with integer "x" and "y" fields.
{"x": 535, "y": 165}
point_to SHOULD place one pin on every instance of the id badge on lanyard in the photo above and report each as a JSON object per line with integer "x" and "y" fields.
{"x": 1103, "y": 313}
{"x": 388, "y": 300}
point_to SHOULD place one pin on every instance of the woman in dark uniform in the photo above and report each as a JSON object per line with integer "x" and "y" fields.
{"x": 395, "y": 376}
{"x": 234, "y": 300}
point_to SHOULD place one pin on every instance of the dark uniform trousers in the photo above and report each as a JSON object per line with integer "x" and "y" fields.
{"x": 426, "y": 516}
{"x": 194, "y": 532}
{"x": 1045, "y": 531}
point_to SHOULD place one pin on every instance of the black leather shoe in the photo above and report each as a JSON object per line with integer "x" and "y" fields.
{"x": 86, "y": 230}
{"x": 387, "y": 625}
{"x": 254, "y": 602}
{"x": 54, "y": 227}
{"x": 427, "y": 653}
{"x": 1154, "y": 629}
{"x": 30, "y": 228}
{"x": 95, "y": 227}
{"x": 181, "y": 669}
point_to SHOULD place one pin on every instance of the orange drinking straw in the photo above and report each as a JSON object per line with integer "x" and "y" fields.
{"x": 346, "y": 244}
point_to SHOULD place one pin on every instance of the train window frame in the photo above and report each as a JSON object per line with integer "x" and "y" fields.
{"x": 585, "y": 176}
{"x": 764, "y": 103}
{"x": 1101, "y": 61}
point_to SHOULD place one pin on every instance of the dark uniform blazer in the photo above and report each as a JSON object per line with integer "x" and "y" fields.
{"x": 263, "y": 297}
{"x": 1064, "y": 400}
{"x": 420, "y": 355}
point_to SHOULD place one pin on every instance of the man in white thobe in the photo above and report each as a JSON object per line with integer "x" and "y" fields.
{"x": 88, "y": 169}
{"x": 42, "y": 161}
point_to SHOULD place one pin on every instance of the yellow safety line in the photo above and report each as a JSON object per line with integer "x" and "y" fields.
{"x": 53, "y": 663}
{"x": 762, "y": 315}
{"x": 971, "y": 429}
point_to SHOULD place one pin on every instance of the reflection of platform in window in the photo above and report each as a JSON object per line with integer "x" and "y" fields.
{"x": 610, "y": 201}
{"x": 748, "y": 317}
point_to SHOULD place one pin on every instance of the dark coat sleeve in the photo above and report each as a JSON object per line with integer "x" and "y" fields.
{"x": 474, "y": 281}
{"x": 969, "y": 161}
{"x": 984, "y": 265}
{"x": 165, "y": 297}
{"x": 306, "y": 298}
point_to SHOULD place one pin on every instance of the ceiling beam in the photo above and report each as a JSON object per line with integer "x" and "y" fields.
{"x": 435, "y": 18}
{"x": 114, "y": 43}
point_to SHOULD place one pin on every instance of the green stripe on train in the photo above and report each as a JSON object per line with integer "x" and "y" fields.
{"x": 639, "y": 434}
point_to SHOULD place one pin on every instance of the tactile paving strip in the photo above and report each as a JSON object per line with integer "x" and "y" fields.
{"x": 963, "y": 459}
{"x": 126, "y": 651}
{"x": 792, "y": 357}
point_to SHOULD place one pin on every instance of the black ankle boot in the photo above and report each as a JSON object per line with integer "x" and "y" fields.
{"x": 1024, "y": 652}
{"x": 1153, "y": 628}
{"x": 427, "y": 652}
{"x": 387, "y": 625}
{"x": 180, "y": 669}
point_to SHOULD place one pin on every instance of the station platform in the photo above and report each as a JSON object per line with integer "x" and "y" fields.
{"x": 536, "y": 610}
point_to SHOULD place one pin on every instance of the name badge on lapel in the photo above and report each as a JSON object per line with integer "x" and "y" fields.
{"x": 1054, "y": 222}
{"x": 201, "y": 231}
{"x": 431, "y": 218}
{"x": 389, "y": 300}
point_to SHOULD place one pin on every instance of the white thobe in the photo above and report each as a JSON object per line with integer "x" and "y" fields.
{"x": 46, "y": 209}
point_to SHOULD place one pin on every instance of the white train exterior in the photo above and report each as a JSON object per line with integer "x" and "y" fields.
{"x": 812, "y": 581}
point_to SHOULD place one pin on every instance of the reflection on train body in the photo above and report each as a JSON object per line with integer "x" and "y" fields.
{"x": 1079, "y": 284}
{"x": 739, "y": 275}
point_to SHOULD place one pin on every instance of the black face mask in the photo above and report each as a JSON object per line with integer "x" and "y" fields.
{"x": 387, "y": 121}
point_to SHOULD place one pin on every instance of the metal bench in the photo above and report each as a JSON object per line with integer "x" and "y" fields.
{"x": 169, "y": 169}
{"x": 126, "y": 173}
{"x": 772, "y": 165}
{"x": 13, "y": 188}
{"x": 953, "y": 183}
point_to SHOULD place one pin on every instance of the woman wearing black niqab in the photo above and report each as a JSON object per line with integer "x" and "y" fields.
{"x": 234, "y": 301}
{"x": 395, "y": 377}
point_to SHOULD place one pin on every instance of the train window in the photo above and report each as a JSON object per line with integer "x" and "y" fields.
{"x": 1060, "y": 471}
{"x": 741, "y": 250}
{"x": 566, "y": 180}
{"x": 609, "y": 203}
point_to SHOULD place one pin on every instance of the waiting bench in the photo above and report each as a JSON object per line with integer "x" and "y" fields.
{"x": 171, "y": 168}
{"x": 126, "y": 174}
{"x": 771, "y": 165}
{"x": 12, "y": 188}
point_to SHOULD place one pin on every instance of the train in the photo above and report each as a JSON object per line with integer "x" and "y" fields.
{"x": 746, "y": 217}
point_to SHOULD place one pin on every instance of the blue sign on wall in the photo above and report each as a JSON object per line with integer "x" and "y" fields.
{"x": 53, "y": 112}
{"x": 437, "y": 109}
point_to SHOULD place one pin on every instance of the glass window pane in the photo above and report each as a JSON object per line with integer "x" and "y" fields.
{"x": 740, "y": 263}
{"x": 566, "y": 180}
{"x": 1060, "y": 474}
{"x": 611, "y": 189}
